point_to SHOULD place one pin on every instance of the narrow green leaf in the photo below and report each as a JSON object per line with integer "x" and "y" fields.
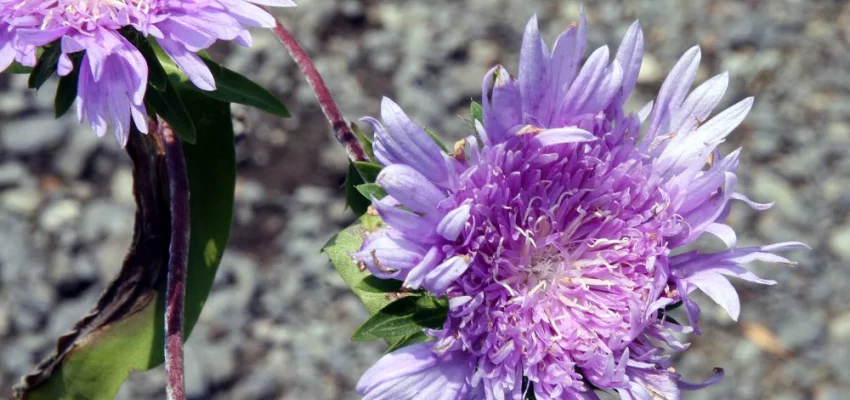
{"x": 396, "y": 319}
{"x": 370, "y": 190}
{"x": 232, "y": 87}
{"x": 211, "y": 166}
{"x": 66, "y": 92}
{"x": 17, "y": 68}
{"x": 437, "y": 139}
{"x": 402, "y": 317}
{"x": 673, "y": 306}
{"x": 369, "y": 171}
{"x": 98, "y": 361}
{"x": 168, "y": 105}
{"x": 476, "y": 112}
{"x": 175, "y": 75}
{"x": 407, "y": 340}
{"x": 157, "y": 77}
{"x": 364, "y": 140}
{"x": 353, "y": 198}
{"x": 528, "y": 389}
{"x": 670, "y": 319}
{"x": 45, "y": 67}
{"x": 432, "y": 312}
{"x": 374, "y": 285}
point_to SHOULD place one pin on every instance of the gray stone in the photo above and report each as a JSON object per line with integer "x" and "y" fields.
{"x": 249, "y": 191}
{"x": 808, "y": 325}
{"x": 69, "y": 311}
{"x": 58, "y": 213}
{"x": 74, "y": 154}
{"x": 839, "y": 242}
{"x": 650, "y": 70}
{"x": 16, "y": 254}
{"x": 219, "y": 362}
{"x": 196, "y": 382}
{"x": 30, "y": 135}
{"x": 121, "y": 187}
{"x": 14, "y": 174}
{"x": 261, "y": 384}
{"x": 12, "y": 103}
{"x": 22, "y": 200}
{"x": 102, "y": 218}
{"x": 5, "y": 325}
{"x": 839, "y": 328}
{"x": 32, "y": 303}
{"x": 832, "y": 392}
{"x": 789, "y": 396}
{"x": 14, "y": 358}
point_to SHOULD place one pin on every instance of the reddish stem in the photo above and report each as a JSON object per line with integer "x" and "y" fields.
{"x": 178, "y": 258}
{"x": 329, "y": 107}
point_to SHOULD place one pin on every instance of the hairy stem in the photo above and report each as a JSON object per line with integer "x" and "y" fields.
{"x": 329, "y": 107}
{"x": 178, "y": 258}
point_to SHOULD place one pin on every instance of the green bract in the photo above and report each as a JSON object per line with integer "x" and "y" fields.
{"x": 398, "y": 316}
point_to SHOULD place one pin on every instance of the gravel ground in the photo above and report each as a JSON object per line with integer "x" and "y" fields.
{"x": 278, "y": 322}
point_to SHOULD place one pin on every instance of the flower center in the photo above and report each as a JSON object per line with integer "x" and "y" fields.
{"x": 544, "y": 270}
{"x": 87, "y": 14}
{"x": 565, "y": 240}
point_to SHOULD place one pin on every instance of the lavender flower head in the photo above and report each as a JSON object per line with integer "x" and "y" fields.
{"x": 113, "y": 73}
{"x": 551, "y": 233}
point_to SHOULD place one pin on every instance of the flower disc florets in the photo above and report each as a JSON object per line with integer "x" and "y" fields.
{"x": 113, "y": 73}
{"x": 551, "y": 231}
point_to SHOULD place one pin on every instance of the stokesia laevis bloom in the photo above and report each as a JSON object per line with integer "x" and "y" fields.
{"x": 113, "y": 73}
{"x": 552, "y": 232}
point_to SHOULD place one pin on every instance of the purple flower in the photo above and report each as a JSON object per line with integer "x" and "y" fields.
{"x": 113, "y": 73}
{"x": 552, "y": 230}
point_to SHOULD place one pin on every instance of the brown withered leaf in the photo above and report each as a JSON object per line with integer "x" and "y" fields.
{"x": 142, "y": 276}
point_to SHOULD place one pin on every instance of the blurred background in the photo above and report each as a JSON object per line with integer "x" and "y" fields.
{"x": 278, "y": 323}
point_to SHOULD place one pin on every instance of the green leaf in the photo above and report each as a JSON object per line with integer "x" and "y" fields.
{"x": 673, "y": 306}
{"x": 95, "y": 362}
{"x": 338, "y": 249}
{"x": 169, "y": 105}
{"x": 211, "y": 166}
{"x": 407, "y": 340}
{"x": 17, "y": 68}
{"x": 395, "y": 319}
{"x": 528, "y": 389}
{"x": 670, "y": 319}
{"x": 403, "y": 317}
{"x": 364, "y": 140}
{"x": 353, "y": 198}
{"x": 437, "y": 139}
{"x": 369, "y": 171}
{"x": 476, "y": 112}
{"x": 370, "y": 190}
{"x": 375, "y": 285}
{"x": 377, "y": 294}
{"x": 66, "y": 92}
{"x": 157, "y": 77}
{"x": 45, "y": 67}
{"x": 232, "y": 87}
